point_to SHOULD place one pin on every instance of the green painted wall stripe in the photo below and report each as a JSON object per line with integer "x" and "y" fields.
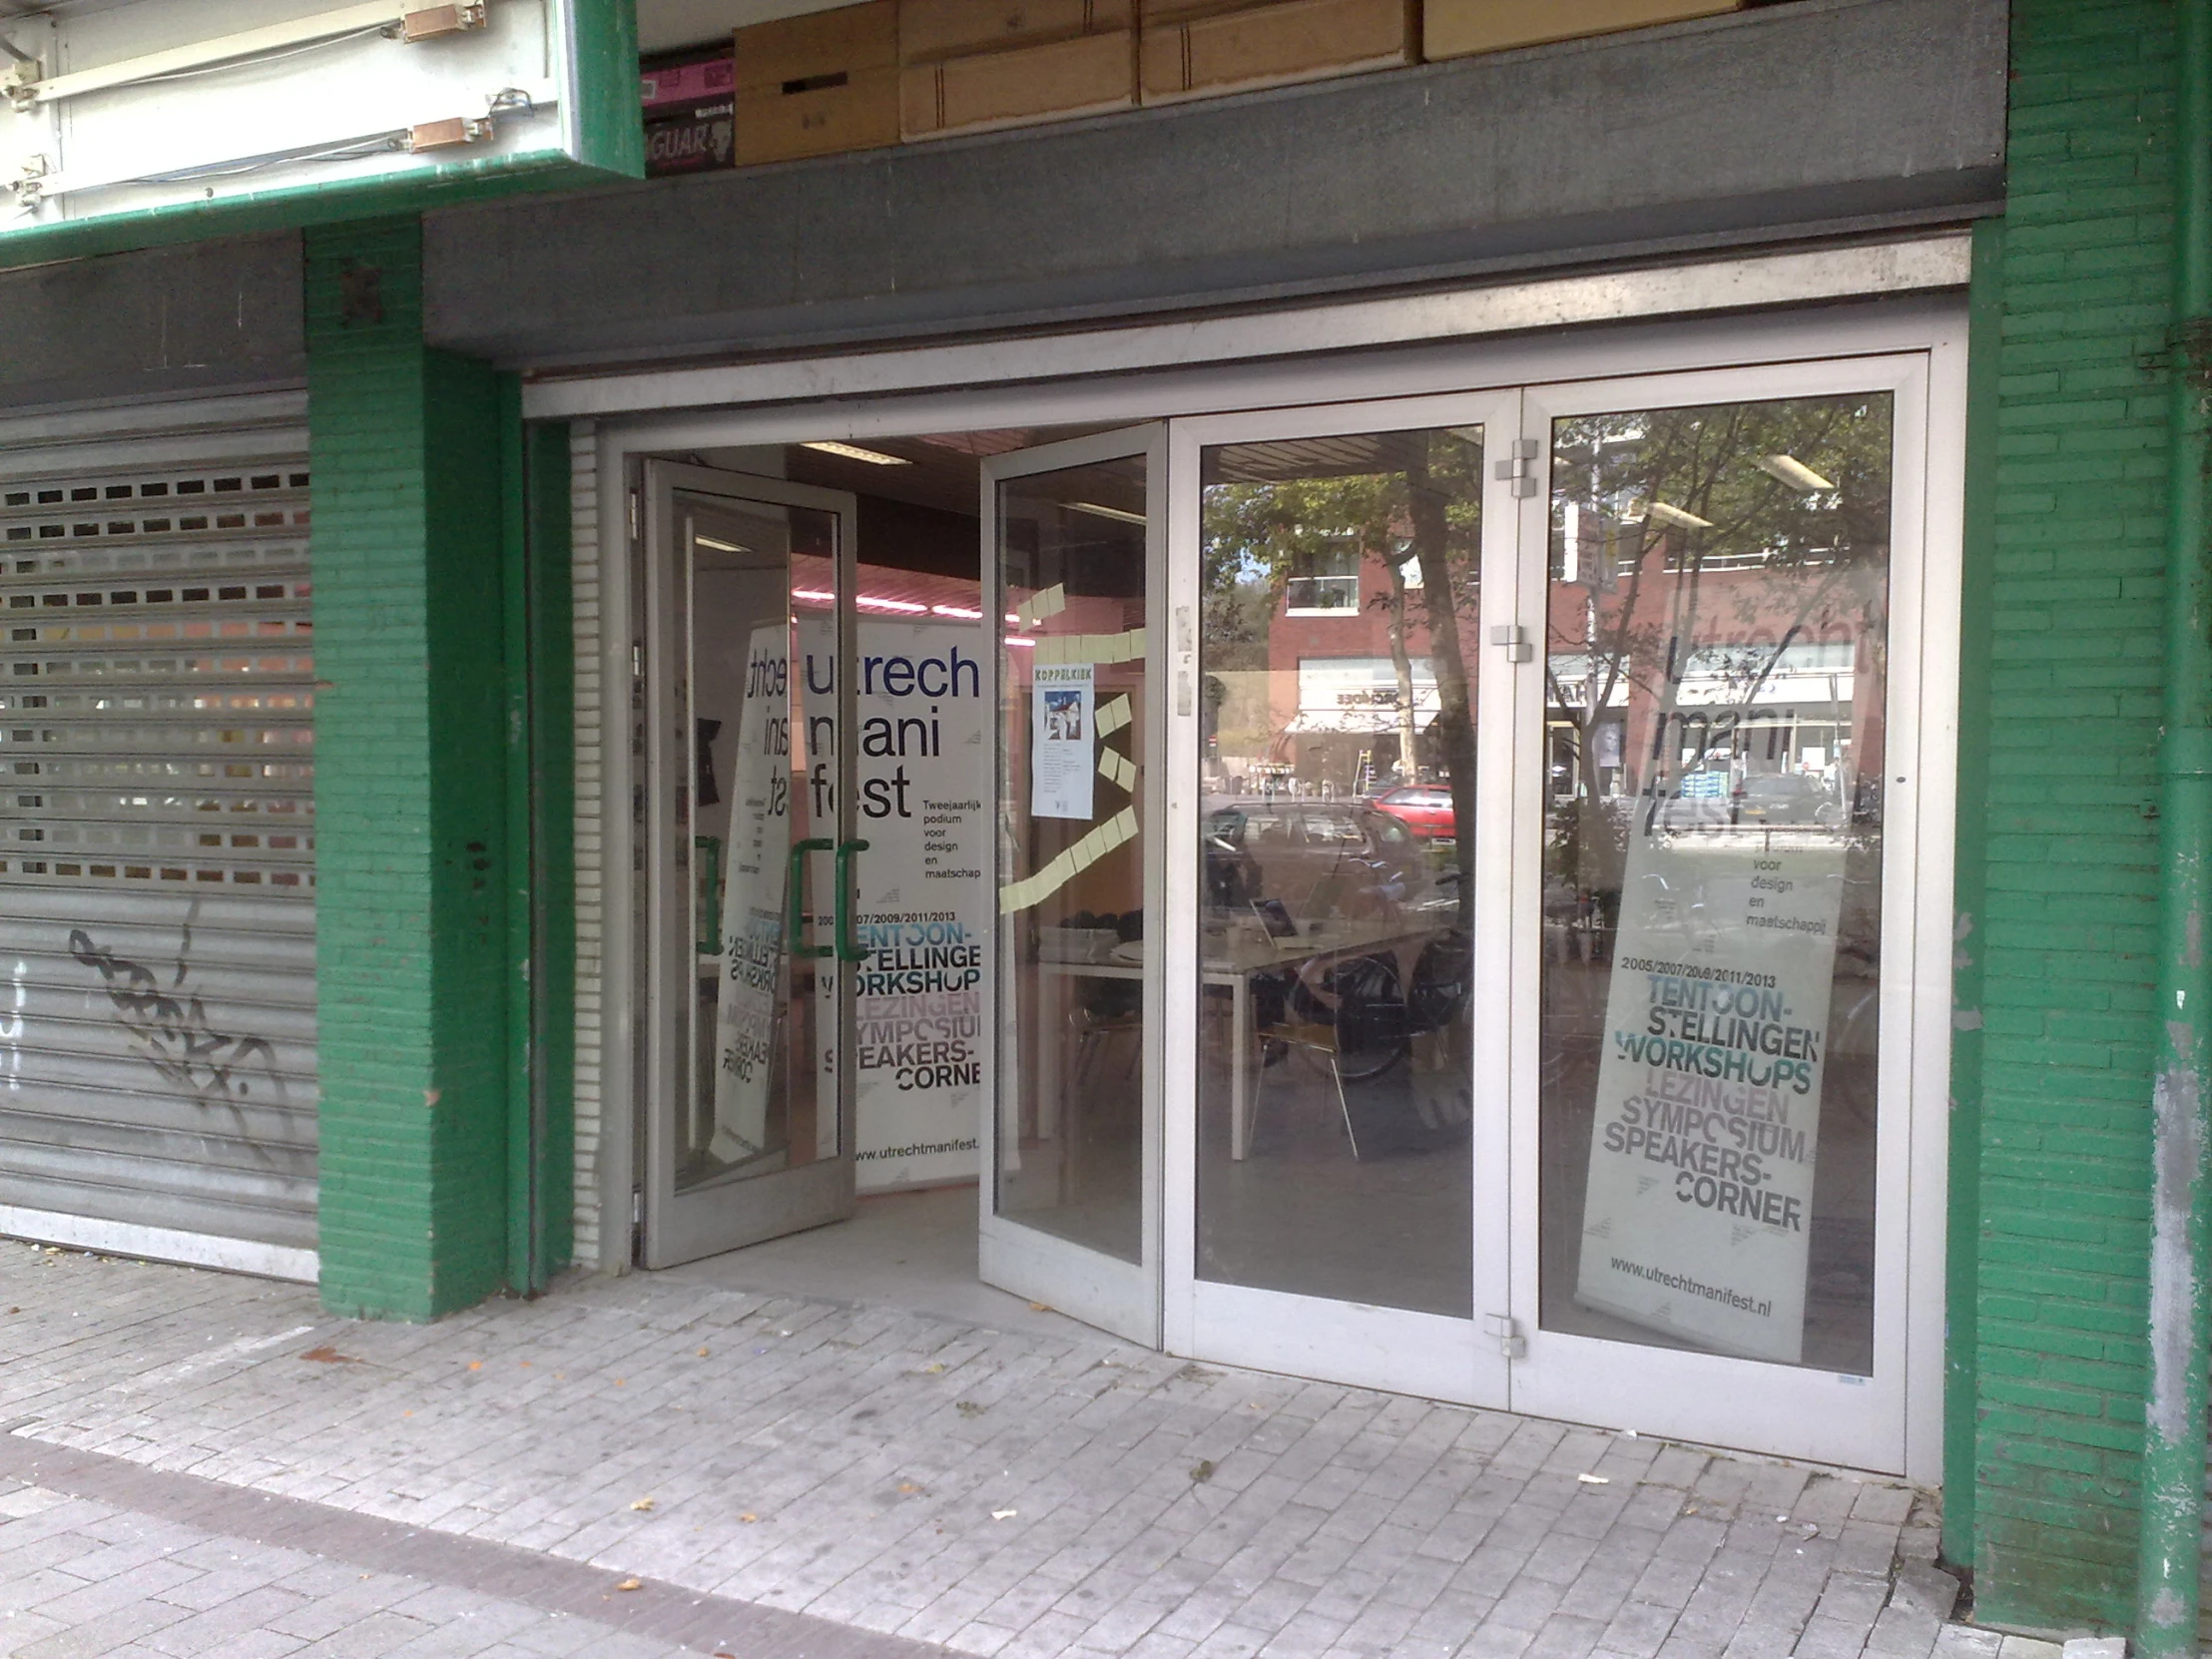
{"x": 540, "y": 788}
{"x": 1962, "y": 1376}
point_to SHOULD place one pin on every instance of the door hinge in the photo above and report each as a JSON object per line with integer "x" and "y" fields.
{"x": 633, "y": 515}
{"x": 1519, "y": 467}
{"x": 637, "y": 1205}
{"x": 637, "y": 662}
{"x": 1507, "y": 1329}
{"x": 1514, "y": 638}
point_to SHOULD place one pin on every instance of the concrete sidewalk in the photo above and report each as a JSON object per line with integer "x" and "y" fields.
{"x": 814, "y": 1476}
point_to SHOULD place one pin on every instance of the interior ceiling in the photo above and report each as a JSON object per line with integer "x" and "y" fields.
{"x": 943, "y": 470}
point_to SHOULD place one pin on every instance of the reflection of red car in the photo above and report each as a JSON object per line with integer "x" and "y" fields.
{"x": 1424, "y": 809}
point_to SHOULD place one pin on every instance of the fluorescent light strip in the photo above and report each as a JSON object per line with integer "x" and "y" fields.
{"x": 1788, "y": 470}
{"x": 854, "y": 452}
{"x": 961, "y": 611}
{"x": 875, "y": 604}
{"x": 1678, "y": 516}
{"x": 1106, "y": 512}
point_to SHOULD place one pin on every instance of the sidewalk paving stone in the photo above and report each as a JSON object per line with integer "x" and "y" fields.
{"x": 199, "y": 1464}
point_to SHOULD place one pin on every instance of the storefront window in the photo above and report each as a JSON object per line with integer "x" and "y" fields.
{"x": 1073, "y": 939}
{"x": 759, "y": 606}
{"x": 1337, "y": 845}
{"x": 1717, "y": 639}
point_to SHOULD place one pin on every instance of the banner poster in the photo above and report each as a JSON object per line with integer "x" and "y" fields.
{"x": 1707, "y": 1118}
{"x": 921, "y": 913}
{"x": 1062, "y": 753}
{"x": 754, "y": 896}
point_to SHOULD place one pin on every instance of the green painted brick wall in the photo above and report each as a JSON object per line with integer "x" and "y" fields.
{"x": 2069, "y": 861}
{"x": 409, "y": 797}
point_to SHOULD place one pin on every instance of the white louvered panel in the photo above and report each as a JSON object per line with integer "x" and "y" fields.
{"x": 157, "y": 832}
{"x": 590, "y": 891}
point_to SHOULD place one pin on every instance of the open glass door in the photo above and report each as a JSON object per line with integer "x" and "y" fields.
{"x": 1338, "y": 1186}
{"x": 748, "y": 820}
{"x": 1718, "y": 965}
{"x": 1069, "y": 1200}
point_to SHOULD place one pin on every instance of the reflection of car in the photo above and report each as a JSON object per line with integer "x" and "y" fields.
{"x": 1321, "y": 858}
{"x": 1785, "y": 798}
{"x": 1424, "y": 809}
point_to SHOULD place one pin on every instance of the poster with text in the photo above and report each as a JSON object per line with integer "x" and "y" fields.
{"x": 754, "y": 892}
{"x": 1062, "y": 746}
{"x": 922, "y": 911}
{"x": 1708, "y": 1104}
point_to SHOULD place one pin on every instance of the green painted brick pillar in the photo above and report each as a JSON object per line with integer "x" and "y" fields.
{"x": 415, "y": 947}
{"x": 2064, "y": 696}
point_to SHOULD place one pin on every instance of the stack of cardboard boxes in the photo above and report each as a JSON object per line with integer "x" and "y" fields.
{"x": 860, "y": 76}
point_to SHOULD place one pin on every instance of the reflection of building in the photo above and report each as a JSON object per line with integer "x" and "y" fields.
{"x": 1347, "y": 684}
{"x": 1771, "y": 678}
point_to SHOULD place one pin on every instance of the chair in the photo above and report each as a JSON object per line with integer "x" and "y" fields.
{"x": 1320, "y": 1040}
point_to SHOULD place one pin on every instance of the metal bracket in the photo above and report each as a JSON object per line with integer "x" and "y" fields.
{"x": 1514, "y": 638}
{"x": 432, "y": 21}
{"x": 19, "y": 82}
{"x": 1519, "y": 467}
{"x": 30, "y": 186}
{"x": 1506, "y": 1331}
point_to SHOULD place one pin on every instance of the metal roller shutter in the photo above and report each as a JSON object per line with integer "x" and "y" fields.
{"x": 157, "y": 834}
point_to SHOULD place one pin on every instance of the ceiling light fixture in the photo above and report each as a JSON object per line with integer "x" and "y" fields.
{"x": 1678, "y": 516}
{"x": 875, "y": 604}
{"x": 719, "y": 545}
{"x": 1106, "y": 512}
{"x": 854, "y": 452}
{"x": 961, "y": 611}
{"x": 1790, "y": 470}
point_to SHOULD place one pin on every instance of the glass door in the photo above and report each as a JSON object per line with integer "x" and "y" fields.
{"x": 1716, "y": 961}
{"x": 1070, "y": 1195}
{"x": 748, "y": 818}
{"x": 1338, "y": 1185}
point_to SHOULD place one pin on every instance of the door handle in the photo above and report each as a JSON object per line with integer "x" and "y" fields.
{"x": 849, "y": 947}
{"x": 799, "y": 850}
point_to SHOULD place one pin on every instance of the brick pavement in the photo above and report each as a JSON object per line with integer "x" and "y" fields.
{"x": 1023, "y": 1493}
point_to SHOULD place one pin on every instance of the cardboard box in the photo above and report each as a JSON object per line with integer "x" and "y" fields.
{"x": 932, "y": 29}
{"x": 1454, "y": 28}
{"x": 1087, "y": 75}
{"x": 817, "y": 84}
{"x": 1271, "y": 45}
{"x": 690, "y": 115}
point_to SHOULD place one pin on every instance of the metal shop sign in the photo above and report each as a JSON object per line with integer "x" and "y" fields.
{"x": 167, "y": 120}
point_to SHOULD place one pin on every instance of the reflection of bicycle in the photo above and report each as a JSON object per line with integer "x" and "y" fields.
{"x": 1366, "y": 1002}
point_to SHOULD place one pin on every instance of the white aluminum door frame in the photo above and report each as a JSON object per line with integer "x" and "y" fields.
{"x": 1425, "y": 1354}
{"x": 1529, "y": 353}
{"x": 723, "y": 1215}
{"x": 1876, "y": 1422}
{"x": 1086, "y": 1283}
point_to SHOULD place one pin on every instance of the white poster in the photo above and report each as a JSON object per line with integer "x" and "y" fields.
{"x": 922, "y": 912}
{"x": 1062, "y": 749}
{"x": 1709, "y": 1093}
{"x": 754, "y": 898}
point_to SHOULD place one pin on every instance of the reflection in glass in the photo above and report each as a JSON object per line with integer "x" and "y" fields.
{"x": 1340, "y": 621}
{"x": 1071, "y": 854}
{"x": 759, "y": 1102}
{"x": 1717, "y": 665}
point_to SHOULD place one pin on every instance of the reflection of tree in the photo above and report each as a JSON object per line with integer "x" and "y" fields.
{"x": 1685, "y": 544}
{"x": 1413, "y": 499}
